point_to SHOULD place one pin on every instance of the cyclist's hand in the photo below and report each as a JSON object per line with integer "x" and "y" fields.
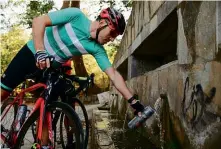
{"x": 136, "y": 105}
{"x": 42, "y": 59}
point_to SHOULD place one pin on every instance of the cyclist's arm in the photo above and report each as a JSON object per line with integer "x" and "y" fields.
{"x": 118, "y": 82}
{"x": 38, "y": 28}
{"x": 53, "y": 18}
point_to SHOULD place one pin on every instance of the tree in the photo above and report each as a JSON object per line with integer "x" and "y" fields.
{"x": 9, "y": 14}
{"x": 34, "y": 9}
{"x": 11, "y": 42}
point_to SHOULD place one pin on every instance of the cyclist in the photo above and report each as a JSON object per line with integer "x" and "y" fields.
{"x": 63, "y": 34}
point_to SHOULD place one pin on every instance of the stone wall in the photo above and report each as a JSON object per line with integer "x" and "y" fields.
{"x": 173, "y": 48}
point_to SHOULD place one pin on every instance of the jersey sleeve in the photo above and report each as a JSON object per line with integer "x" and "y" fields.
{"x": 64, "y": 15}
{"x": 102, "y": 59}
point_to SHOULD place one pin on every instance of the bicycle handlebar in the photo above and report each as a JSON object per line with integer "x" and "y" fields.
{"x": 84, "y": 82}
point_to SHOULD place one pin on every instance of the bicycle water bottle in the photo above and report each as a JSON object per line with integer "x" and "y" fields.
{"x": 138, "y": 120}
{"x": 20, "y": 117}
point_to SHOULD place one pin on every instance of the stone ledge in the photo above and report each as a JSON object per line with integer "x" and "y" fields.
{"x": 100, "y": 138}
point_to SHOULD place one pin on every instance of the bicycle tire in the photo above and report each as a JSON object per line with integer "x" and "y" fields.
{"x": 67, "y": 110}
{"x": 6, "y": 103}
{"x": 72, "y": 102}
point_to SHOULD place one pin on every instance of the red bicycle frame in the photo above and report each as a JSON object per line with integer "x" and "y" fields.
{"x": 40, "y": 104}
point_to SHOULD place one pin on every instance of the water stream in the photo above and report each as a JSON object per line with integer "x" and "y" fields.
{"x": 123, "y": 137}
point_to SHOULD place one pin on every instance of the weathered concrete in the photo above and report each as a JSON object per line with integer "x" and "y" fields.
{"x": 100, "y": 137}
{"x": 198, "y": 20}
{"x": 174, "y": 50}
{"x": 218, "y": 50}
{"x": 138, "y": 36}
{"x": 171, "y": 79}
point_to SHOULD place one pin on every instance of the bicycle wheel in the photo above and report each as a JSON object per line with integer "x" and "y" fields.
{"x": 80, "y": 109}
{"x": 7, "y": 121}
{"x": 25, "y": 139}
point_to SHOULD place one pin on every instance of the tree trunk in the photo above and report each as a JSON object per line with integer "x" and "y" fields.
{"x": 66, "y": 4}
{"x": 75, "y": 4}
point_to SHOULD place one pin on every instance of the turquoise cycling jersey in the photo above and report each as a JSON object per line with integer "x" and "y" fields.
{"x": 69, "y": 36}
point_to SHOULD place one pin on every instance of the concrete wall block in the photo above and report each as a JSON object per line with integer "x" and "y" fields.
{"x": 166, "y": 8}
{"x": 154, "y": 6}
{"x": 132, "y": 33}
{"x": 183, "y": 52}
{"x": 218, "y": 3}
{"x": 163, "y": 80}
{"x": 218, "y": 28}
{"x": 133, "y": 22}
{"x": 198, "y": 19}
{"x": 146, "y": 12}
{"x": 141, "y": 87}
{"x": 132, "y": 83}
{"x": 141, "y": 13}
{"x": 214, "y": 80}
{"x": 145, "y": 98}
{"x": 153, "y": 23}
{"x": 122, "y": 107}
{"x": 205, "y": 30}
{"x": 125, "y": 41}
{"x": 136, "y": 15}
{"x": 129, "y": 34}
{"x": 173, "y": 99}
{"x": 154, "y": 90}
{"x": 148, "y": 88}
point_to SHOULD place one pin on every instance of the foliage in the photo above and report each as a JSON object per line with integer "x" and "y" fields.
{"x": 10, "y": 12}
{"x": 34, "y": 9}
{"x": 112, "y": 3}
{"x": 101, "y": 79}
{"x": 11, "y": 42}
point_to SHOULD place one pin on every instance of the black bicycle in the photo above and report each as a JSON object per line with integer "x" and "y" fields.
{"x": 75, "y": 86}
{"x": 67, "y": 92}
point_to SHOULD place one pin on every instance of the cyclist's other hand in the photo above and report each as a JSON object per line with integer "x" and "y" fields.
{"x": 136, "y": 105}
{"x": 42, "y": 59}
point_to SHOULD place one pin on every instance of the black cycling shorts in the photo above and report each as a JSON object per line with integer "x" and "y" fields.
{"x": 23, "y": 64}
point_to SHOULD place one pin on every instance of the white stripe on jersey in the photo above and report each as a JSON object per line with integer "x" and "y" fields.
{"x": 50, "y": 50}
{"x": 60, "y": 43}
{"x": 74, "y": 39}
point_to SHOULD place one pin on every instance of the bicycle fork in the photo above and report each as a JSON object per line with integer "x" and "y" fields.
{"x": 44, "y": 121}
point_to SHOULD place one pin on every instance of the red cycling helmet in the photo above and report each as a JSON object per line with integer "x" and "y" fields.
{"x": 116, "y": 19}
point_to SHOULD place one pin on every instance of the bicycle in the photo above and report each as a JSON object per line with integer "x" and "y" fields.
{"x": 44, "y": 108}
{"x": 10, "y": 108}
{"x": 71, "y": 99}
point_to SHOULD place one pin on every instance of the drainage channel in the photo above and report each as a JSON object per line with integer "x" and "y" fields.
{"x": 121, "y": 136}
